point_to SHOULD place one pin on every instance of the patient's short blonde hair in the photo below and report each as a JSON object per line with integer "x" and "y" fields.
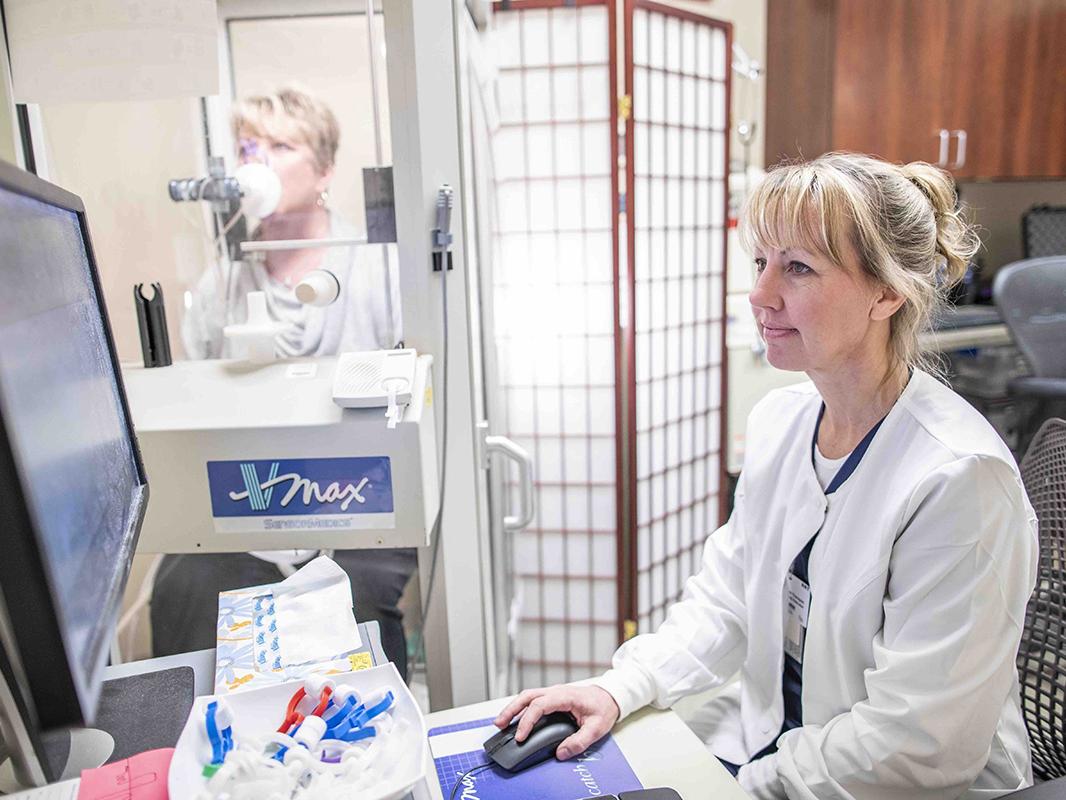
{"x": 900, "y": 222}
{"x": 291, "y": 114}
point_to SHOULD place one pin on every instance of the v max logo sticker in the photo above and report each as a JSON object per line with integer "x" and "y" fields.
{"x": 285, "y": 487}
{"x": 259, "y": 494}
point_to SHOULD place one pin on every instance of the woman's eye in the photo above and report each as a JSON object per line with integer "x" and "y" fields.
{"x": 799, "y": 268}
{"x": 760, "y": 264}
{"x": 281, "y": 146}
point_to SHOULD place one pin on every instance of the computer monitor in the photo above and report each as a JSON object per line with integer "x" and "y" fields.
{"x": 72, "y": 486}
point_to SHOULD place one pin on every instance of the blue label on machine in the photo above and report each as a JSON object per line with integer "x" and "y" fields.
{"x": 457, "y": 749}
{"x": 302, "y": 493}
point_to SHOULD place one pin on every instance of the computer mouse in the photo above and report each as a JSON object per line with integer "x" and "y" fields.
{"x": 547, "y": 734}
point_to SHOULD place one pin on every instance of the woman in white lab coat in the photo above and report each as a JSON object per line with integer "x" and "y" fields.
{"x": 871, "y": 583}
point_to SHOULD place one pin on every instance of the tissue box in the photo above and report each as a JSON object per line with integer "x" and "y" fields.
{"x": 250, "y": 640}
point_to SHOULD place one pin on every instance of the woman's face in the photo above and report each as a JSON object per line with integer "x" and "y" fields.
{"x": 301, "y": 181}
{"x": 816, "y": 316}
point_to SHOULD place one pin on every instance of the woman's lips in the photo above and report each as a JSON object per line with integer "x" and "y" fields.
{"x": 777, "y": 333}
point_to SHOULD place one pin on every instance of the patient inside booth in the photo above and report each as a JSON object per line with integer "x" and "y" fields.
{"x": 296, "y": 135}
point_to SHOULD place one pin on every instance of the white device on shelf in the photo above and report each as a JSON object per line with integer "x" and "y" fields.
{"x": 375, "y": 379}
{"x": 371, "y": 379}
{"x": 259, "y": 457}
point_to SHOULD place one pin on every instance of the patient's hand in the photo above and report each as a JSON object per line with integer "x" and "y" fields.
{"x": 594, "y": 709}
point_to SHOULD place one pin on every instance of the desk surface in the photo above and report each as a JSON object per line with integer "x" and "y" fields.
{"x": 660, "y": 748}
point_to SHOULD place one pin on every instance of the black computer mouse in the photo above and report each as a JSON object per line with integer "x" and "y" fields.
{"x": 547, "y": 734}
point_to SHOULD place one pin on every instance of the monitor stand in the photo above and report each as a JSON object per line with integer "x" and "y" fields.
{"x": 137, "y": 712}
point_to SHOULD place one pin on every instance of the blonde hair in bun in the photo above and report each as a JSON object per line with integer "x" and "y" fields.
{"x": 901, "y": 221}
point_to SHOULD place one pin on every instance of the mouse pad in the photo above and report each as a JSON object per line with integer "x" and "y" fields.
{"x": 601, "y": 770}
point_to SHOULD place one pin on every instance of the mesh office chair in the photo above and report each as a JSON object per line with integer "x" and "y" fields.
{"x": 1042, "y": 655}
{"x": 1031, "y": 298}
{"x": 1044, "y": 231}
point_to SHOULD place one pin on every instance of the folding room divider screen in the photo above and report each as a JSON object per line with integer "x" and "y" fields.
{"x": 607, "y": 292}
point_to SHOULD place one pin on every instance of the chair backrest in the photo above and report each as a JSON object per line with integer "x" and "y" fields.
{"x": 1042, "y": 655}
{"x": 1031, "y": 298}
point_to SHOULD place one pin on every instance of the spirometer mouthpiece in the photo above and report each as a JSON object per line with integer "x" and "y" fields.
{"x": 319, "y": 287}
{"x": 260, "y": 189}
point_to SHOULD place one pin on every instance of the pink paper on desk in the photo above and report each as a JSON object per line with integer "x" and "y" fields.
{"x": 142, "y": 777}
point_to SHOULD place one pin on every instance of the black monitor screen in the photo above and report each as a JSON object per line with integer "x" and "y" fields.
{"x": 65, "y": 419}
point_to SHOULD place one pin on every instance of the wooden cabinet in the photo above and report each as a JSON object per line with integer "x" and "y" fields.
{"x": 978, "y": 86}
{"x": 1005, "y": 86}
{"x": 886, "y": 95}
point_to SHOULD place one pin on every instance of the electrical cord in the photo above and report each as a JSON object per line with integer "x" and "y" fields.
{"x": 152, "y": 576}
{"x": 420, "y": 653}
{"x": 465, "y": 775}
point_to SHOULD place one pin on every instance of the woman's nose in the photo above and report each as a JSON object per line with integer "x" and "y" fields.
{"x": 765, "y": 292}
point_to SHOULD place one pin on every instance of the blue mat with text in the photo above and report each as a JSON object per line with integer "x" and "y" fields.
{"x": 458, "y": 748}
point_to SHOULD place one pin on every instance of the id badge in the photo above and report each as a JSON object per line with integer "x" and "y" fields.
{"x": 797, "y": 603}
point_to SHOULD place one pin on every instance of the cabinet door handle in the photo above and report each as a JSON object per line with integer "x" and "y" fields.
{"x": 960, "y": 150}
{"x": 945, "y": 143}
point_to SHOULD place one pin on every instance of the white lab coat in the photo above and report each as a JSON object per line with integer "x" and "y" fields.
{"x": 920, "y": 578}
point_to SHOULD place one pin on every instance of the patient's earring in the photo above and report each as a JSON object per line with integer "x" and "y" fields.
{"x": 323, "y": 198}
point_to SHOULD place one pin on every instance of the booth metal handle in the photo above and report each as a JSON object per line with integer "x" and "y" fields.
{"x": 505, "y": 447}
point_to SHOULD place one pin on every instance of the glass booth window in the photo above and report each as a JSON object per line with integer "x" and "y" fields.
{"x": 306, "y": 131}
{"x": 309, "y": 85}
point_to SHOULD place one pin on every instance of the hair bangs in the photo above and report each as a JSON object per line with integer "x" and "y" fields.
{"x": 267, "y": 118}
{"x": 793, "y": 209}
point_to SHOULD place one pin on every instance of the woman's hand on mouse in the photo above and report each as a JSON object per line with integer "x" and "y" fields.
{"x": 594, "y": 709}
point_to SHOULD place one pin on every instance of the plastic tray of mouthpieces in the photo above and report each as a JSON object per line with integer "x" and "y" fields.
{"x": 258, "y": 712}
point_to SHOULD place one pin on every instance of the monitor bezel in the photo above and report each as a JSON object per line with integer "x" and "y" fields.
{"x": 61, "y": 693}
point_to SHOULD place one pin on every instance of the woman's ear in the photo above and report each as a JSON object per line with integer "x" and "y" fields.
{"x": 324, "y": 180}
{"x": 886, "y": 302}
